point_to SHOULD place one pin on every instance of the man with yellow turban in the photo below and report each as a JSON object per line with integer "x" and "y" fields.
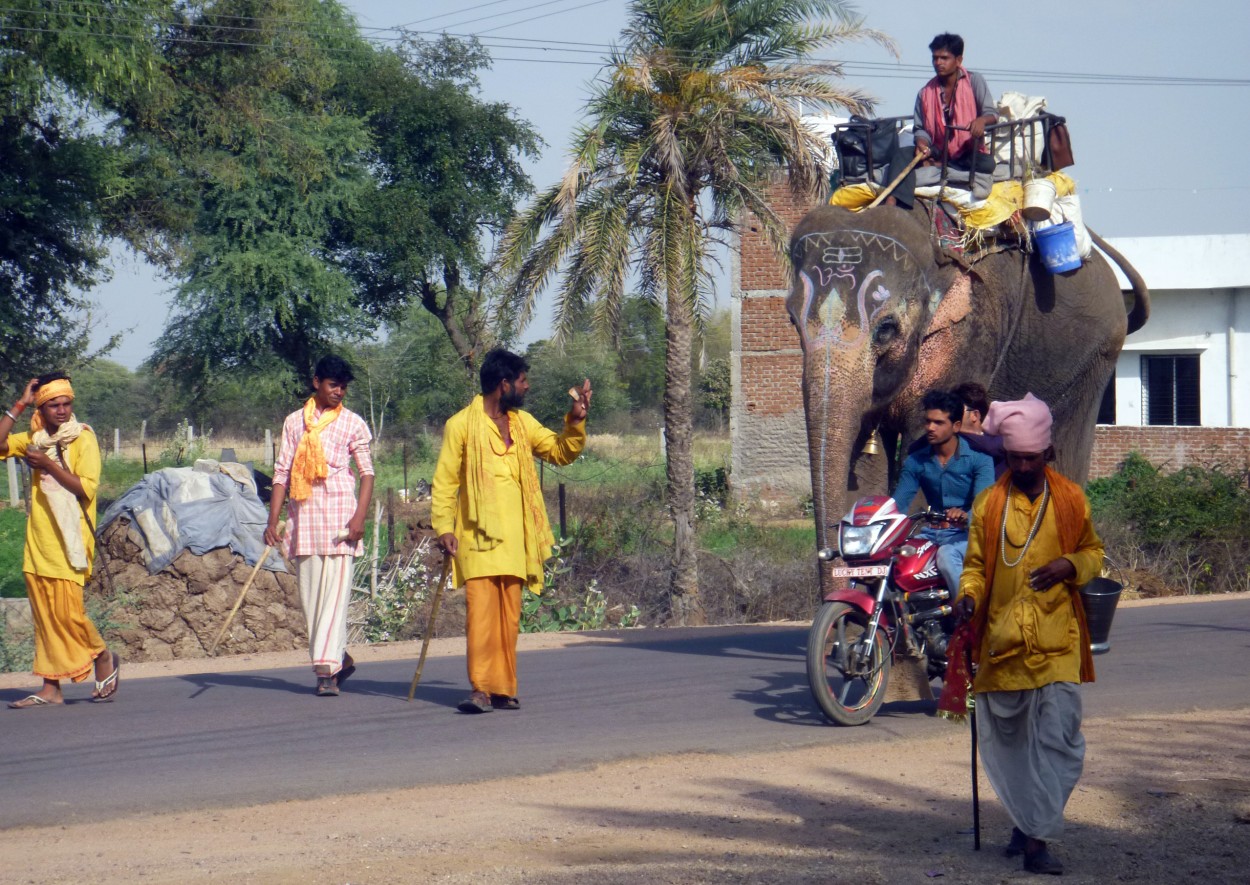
{"x": 488, "y": 513}
{"x": 60, "y": 539}
{"x": 326, "y": 518}
{"x": 1032, "y": 546}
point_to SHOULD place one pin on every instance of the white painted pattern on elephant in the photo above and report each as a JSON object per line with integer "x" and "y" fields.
{"x": 841, "y": 254}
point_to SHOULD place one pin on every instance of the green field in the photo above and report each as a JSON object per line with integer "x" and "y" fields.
{"x": 12, "y": 537}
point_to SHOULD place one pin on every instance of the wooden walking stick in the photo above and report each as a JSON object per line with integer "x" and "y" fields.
{"x": 242, "y": 593}
{"x": 429, "y": 630}
{"x": 898, "y": 179}
{"x": 976, "y": 798}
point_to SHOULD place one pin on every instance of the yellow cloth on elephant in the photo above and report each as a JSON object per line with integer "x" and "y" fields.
{"x": 66, "y": 642}
{"x": 45, "y": 554}
{"x": 1007, "y": 198}
{"x": 487, "y": 492}
{"x": 1029, "y": 639}
{"x": 853, "y": 196}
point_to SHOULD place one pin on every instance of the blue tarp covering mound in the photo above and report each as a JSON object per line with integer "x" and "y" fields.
{"x": 196, "y": 508}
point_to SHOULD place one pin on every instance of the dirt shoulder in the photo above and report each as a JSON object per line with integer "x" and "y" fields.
{"x": 1163, "y": 799}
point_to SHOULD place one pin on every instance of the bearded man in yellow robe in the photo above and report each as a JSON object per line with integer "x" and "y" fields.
{"x": 488, "y": 513}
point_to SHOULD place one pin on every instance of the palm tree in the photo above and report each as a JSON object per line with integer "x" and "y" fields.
{"x": 696, "y": 113}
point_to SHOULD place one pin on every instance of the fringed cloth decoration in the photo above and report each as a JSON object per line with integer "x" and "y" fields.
{"x": 956, "y": 699}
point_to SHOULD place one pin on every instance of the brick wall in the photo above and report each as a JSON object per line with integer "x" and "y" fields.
{"x": 766, "y": 421}
{"x": 1170, "y": 447}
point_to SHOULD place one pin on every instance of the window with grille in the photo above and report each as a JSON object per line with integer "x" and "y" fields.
{"x": 1170, "y": 390}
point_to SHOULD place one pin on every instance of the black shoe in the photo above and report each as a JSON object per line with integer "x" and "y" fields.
{"x": 1018, "y": 843}
{"x": 1041, "y": 861}
{"x": 478, "y": 702}
{"x": 504, "y": 702}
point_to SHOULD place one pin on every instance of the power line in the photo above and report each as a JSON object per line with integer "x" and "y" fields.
{"x": 446, "y": 14}
{"x": 866, "y": 70}
{"x": 512, "y": 12}
{"x": 545, "y": 15}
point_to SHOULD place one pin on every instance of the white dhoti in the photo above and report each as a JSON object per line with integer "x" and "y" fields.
{"x": 325, "y": 589}
{"x": 1033, "y": 752}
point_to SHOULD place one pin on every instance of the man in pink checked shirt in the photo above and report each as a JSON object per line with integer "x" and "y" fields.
{"x": 326, "y": 518}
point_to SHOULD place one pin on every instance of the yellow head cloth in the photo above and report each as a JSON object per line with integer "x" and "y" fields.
{"x": 49, "y": 391}
{"x": 309, "y": 464}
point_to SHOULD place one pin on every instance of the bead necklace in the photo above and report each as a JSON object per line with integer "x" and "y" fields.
{"x": 1037, "y": 524}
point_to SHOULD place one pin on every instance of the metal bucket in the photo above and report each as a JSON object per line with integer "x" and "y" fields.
{"x": 1100, "y": 597}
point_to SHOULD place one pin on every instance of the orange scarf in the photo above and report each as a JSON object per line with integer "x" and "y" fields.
{"x": 483, "y": 508}
{"x": 963, "y": 112}
{"x": 1069, "y": 503}
{"x": 310, "y": 464}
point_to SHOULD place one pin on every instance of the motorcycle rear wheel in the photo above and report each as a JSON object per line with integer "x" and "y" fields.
{"x": 847, "y": 680}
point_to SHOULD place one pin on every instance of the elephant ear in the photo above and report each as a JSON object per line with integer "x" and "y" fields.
{"x": 953, "y": 306}
{"x": 939, "y": 344}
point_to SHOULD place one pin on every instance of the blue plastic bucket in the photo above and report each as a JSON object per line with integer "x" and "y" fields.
{"x": 1057, "y": 246}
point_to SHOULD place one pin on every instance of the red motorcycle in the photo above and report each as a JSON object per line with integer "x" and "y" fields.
{"x": 897, "y": 605}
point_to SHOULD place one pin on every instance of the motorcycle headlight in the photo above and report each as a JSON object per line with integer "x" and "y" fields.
{"x": 858, "y": 540}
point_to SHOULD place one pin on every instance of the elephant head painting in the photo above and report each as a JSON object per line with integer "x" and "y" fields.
{"x": 884, "y": 314}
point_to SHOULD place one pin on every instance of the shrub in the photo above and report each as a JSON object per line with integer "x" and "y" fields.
{"x": 1187, "y": 528}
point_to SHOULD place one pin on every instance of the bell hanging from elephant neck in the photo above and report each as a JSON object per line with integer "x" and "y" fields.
{"x": 873, "y": 445}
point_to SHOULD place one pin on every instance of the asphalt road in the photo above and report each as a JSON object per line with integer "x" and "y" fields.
{"x": 241, "y": 738}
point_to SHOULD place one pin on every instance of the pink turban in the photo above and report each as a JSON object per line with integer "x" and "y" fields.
{"x": 1023, "y": 424}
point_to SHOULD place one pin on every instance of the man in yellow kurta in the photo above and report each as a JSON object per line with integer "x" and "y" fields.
{"x": 60, "y": 543}
{"x": 1031, "y": 546}
{"x": 488, "y": 513}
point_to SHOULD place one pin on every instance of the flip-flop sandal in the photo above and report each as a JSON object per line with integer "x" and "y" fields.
{"x": 33, "y": 700}
{"x": 106, "y": 688}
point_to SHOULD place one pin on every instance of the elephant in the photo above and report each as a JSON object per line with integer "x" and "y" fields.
{"x": 884, "y": 314}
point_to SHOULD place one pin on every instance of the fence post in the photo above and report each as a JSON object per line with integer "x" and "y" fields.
{"x": 563, "y": 532}
{"x": 15, "y": 490}
{"x": 407, "y": 494}
{"x": 390, "y": 521}
{"x": 268, "y": 447}
{"x": 117, "y": 442}
{"x": 143, "y": 447}
{"x": 190, "y": 433}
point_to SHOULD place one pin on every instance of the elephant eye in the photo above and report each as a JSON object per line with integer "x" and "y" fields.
{"x": 886, "y": 331}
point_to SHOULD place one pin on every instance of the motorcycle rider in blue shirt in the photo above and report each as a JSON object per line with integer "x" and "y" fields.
{"x": 951, "y": 474}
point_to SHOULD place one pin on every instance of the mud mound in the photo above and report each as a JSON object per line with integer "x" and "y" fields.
{"x": 177, "y": 612}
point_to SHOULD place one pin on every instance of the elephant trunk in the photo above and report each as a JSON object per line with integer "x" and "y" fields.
{"x": 837, "y": 394}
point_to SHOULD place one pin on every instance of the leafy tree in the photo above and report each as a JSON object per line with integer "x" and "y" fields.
{"x": 270, "y": 162}
{"x": 61, "y": 181}
{"x": 554, "y": 369}
{"x": 447, "y": 171}
{"x": 698, "y": 108}
{"x": 413, "y": 379}
{"x": 641, "y": 345}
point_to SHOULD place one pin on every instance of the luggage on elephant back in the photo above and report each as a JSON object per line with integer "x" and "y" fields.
{"x": 863, "y": 143}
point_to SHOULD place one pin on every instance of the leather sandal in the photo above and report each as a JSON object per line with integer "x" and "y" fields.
{"x": 327, "y": 687}
{"x": 477, "y": 702}
{"x": 1042, "y": 862}
{"x": 504, "y": 702}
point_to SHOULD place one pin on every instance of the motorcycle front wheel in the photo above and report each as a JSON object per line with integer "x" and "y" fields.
{"x": 848, "y": 679}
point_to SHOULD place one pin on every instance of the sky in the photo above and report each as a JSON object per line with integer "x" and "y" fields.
{"x": 1154, "y": 94}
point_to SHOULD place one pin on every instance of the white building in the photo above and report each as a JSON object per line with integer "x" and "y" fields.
{"x": 1183, "y": 367}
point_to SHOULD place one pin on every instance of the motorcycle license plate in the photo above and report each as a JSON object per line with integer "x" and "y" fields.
{"x": 860, "y": 571}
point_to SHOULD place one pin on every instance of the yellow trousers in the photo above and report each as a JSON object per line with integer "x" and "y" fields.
{"x": 494, "y": 619}
{"x": 66, "y": 642}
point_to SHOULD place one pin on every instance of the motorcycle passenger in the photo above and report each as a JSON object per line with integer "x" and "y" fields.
{"x": 951, "y": 474}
